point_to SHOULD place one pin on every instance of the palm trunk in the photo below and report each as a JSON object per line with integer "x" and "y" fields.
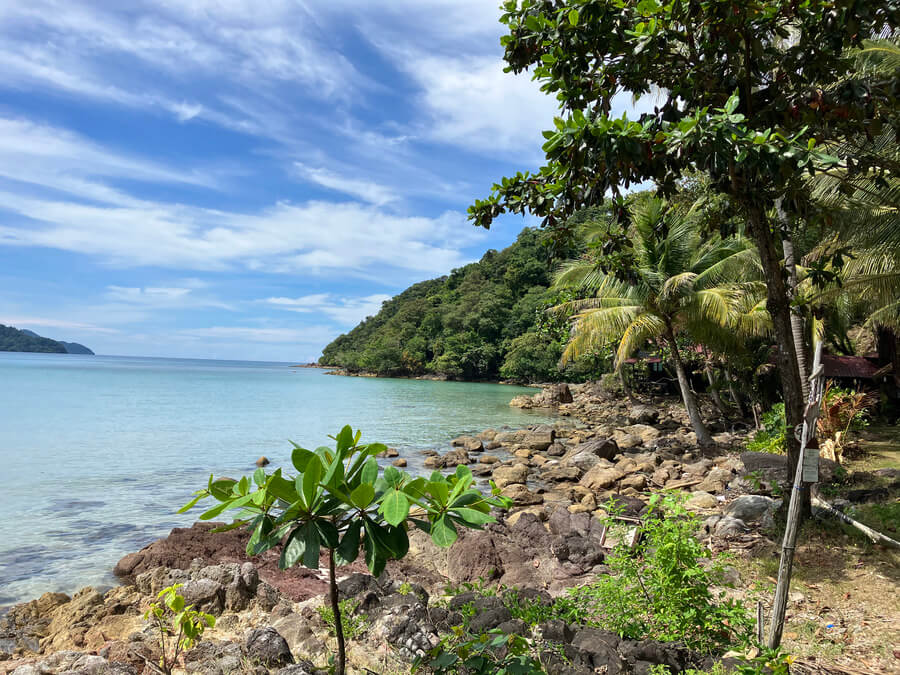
{"x": 797, "y": 328}
{"x": 690, "y": 403}
{"x": 778, "y": 304}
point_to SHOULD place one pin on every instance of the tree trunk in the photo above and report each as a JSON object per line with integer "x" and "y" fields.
{"x": 778, "y": 304}
{"x": 340, "y": 663}
{"x": 693, "y": 411}
{"x": 888, "y": 345}
{"x": 714, "y": 391}
{"x": 797, "y": 327}
{"x": 626, "y": 386}
{"x": 733, "y": 393}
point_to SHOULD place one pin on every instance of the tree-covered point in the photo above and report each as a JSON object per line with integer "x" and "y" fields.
{"x": 15, "y": 340}
{"x": 486, "y": 320}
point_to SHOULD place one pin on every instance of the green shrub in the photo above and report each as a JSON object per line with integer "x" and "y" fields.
{"x": 342, "y": 502}
{"x": 660, "y": 589}
{"x": 180, "y": 627}
{"x": 771, "y": 437}
{"x": 490, "y": 653}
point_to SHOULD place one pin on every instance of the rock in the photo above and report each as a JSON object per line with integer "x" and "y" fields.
{"x": 749, "y": 508}
{"x": 487, "y": 434}
{"x": 206, "y": 595}
{"x": 626, "y": 441}
{"x": 600, "y": 477}
{"x": 587, "y": 455}
{"x": 474, "y": 557}
{"x": 468, "y": 443}
{"x": 643, "y": 414}
{"x": 646, "y": 433}
{"x": 636, "y": 481}
{"x": 521, "y": 495}
{"x": 509, "y": 474}
{"x": 262, "y": 461}
{"x": 522, "y": 401}
{"x": 399, "y": 462}
{"x": 539, "y": 440}
{"x": 302, "y": 668}
{"x": 560, "y": 473}
{"x": 267, "y": 647}
{"x": 556, "y": 450}
{"x": 537, "y": 511}
{"x": 489, "y": 459}
{"x": 597, "y": 649}
{"x": 700, "y": 501}
{"x": 725, "y": 526}
{"x": 389, "y": 453}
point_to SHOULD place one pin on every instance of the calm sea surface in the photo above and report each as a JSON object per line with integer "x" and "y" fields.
{"x": 97, "y": 453}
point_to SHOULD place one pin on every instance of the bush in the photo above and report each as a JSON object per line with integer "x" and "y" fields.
{"x": 180, "y": 627}
{"x": 660, "y": 589}
{"x": 771, "y": 438}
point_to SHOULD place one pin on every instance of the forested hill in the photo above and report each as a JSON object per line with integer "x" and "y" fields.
{"x": 483, "y": 321}
{"x": 15, "y": 340}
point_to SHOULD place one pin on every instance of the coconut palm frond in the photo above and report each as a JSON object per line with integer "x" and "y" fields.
{"x": 642, "y": 328}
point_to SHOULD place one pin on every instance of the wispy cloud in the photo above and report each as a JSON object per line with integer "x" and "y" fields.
{"x": 346, "y": 311}
{"x": 48, "y": 322}
{"x": 364, "y": 190}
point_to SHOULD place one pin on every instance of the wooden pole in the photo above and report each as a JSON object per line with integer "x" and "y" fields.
{"x": 779, "y": 606}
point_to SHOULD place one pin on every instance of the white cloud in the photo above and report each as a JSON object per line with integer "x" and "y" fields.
{"x": 304, "y": 336}
{"x": 32, "y": 321}
{"x": 367, "y": 191}
{"x": 346, "y": 311}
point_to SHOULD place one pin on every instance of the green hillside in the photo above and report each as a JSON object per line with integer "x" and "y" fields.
{"x": 14, "y": 340}
{"x": 484, "y": 321}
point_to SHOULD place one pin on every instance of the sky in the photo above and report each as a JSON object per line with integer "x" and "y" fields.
{"x": 246, "y": 180}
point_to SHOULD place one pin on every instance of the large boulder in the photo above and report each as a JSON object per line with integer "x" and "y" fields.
{"x": 588, "y": 454}
{"x": 749, "y": 508}
{"x": 474, "y": 557}
{"x": 601, "y": 477}
{"x": 643, "y": 414}
{"x": 539, "y": 439}
{"x": 509, "y": 474}
{"x": 265, "y": 646}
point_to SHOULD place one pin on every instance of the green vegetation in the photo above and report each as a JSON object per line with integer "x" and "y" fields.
{"x": 483, "y": 321}
{"x": 733, "y": 98}
{"x": 341, "y": 501}
{"x": 352, "y": 625}
{"x": 15, "y": 340}
{"x": 180, "y": 627}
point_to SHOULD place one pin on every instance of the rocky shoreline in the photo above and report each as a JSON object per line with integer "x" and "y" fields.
{"x": 560, "y": 476}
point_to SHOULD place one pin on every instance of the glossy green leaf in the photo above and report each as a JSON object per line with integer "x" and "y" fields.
{"x": 328, "y": 533}
{"x": 191, "y": 504}
{"x": 348, "y": 550}
{"x": 395, "y": 507}
{"x": 473, "y": 517}
{"x": 439, "y": 490}
{"x": 369, "y": 471}
{"x": 311, "y": 478}
{"x": 443, "y": 532}
{"x": 259, "y": 477}
{"x": 573, "y": 17}
{"x": 363, "y": 495}
{"x": 344, "y": 439}
{"x": 300, "y": 457}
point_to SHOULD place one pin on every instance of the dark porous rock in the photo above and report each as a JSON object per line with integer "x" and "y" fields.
{"x": 513, "y": 627}
{"x": 209, "y": 657}
{"x": 205, "y": 594}
{"x": 474, "y": 557}
{"x": 356, "y": 584}
{"x": 555, "y": 630}
{"x": 528, "y": 595}
{"x": 673, "y": 655}
{"x": 598, "y": 649}
{"x": 267, "y": 647}
{"x": 488, "y": 619}
{"x": 301, "y": 668}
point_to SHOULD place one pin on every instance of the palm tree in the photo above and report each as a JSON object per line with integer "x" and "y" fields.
{"x": 678, "y": 283}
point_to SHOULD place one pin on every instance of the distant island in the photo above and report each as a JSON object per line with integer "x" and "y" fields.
{"x": 15, "y": 340}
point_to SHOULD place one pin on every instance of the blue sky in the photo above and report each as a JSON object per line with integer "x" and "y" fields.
{"x": 245, "y": 179}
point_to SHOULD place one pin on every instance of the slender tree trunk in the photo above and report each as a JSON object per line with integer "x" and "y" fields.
{"x": 693, "y": 411}
{"x": 778, "y": 304}
{"x": 797, "y": 328}
{"x": 714, "y": 391}
{"x": 340, "y": 663}
{"x": 626, "y": 386}
{"x": 733, "y": 393}
{"x": 888, "y": 345}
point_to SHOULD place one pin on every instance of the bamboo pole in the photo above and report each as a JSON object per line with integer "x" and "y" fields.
{"x": 789, "y": 543}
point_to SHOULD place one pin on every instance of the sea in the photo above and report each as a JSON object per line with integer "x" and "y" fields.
{"x": 97, "y": 453}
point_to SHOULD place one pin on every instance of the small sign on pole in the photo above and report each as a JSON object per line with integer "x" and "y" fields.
{"x": 811, "y": 464}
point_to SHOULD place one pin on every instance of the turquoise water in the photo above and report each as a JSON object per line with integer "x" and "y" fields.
{"x": 97, "y": 453}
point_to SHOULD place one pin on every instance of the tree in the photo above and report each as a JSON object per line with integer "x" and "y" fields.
{"x": 737, "y": 84}
{"x": 340, "y": 501}
{"x": 678, "y": 283}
